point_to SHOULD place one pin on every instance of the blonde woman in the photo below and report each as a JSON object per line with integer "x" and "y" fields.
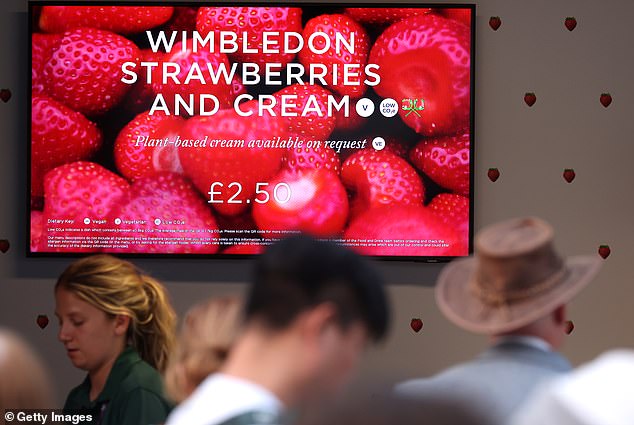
{"x": 24, "y": 383}
{"x": 205, "y": 338}
{"x": 117, "y": 324}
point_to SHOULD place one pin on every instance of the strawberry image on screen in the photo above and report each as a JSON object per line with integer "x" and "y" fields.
{"x": 215, "y": 129}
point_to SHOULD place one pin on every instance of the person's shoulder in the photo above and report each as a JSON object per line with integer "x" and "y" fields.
{"x": 416, "y": 386}
{"x": 144, "y": 389}
{"x": 196, "y": 409}
{"x": 411, "y": 387}
{"x": 231, "y": 397}
{"x": 595, "y": 390}
{"x": 457, "y": 378}
{"x": 142, "y": 376}
{"x": 138, "y": 405}
{"x": 521, "y": 358}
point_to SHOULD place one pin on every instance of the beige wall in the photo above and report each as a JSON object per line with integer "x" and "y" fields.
{"x": 567, "y": 128}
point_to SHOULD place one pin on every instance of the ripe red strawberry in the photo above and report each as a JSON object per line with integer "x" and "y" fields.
{"x": 426, "y": 57}
{"x": 570, "y": 23}
{"x": 255, "y": 21}
{"x": 133, "y": 159}
{"x": 453, "y": 210}
{"x": 530, "y": 98}
{"x": 38, "y": 234}
{"x": 495, "y": 22}
{"x": 314, "y": 125}
{"x": 183, "y": 214}
{"x": 605, "y": 99}
{"x": 141, "y": 96}
{"x": 84, "y": 72}
{"x": 445, "y": 160}
{"x": 42, "y": 320}
{"x": 242, "y": 164}
{"x": 380, "y": 178}
{"x": 311, "y": 201}
{"x": 312, "y": 158}
{"x": 458, "y": 14}
{"x": 119, "y": 19}
{"x": 384, "y": 15}
{"x": 42, "y": 46}
{"x": 493, "y": 174}
{"x": 58, "y": 135}
{"x": 569, "y": 175}
{"x": 5, "y": 95}
{"x": 408, "y": 230}
{"x": 202, "y": 59}
{"x": 82, "y": 189}
{"x": 77, "y": 191}
{"x": 416, "y": 324}
{"x": 604, "y": 251}
{"x": 356, "y": 60}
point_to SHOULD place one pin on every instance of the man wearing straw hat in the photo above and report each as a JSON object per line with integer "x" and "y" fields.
{"x": 514, "y": 290}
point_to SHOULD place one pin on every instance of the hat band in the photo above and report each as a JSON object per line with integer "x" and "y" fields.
{"x": 497, "y": 298}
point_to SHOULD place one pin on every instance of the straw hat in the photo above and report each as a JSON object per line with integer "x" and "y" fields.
{"x": 515, "y": 278}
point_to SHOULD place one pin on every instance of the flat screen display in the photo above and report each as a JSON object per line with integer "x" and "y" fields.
{"x": 214, "y": 129}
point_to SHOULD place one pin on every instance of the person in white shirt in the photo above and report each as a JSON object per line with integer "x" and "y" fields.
{"x": 514, "y": 290}
{"x": 597, "y": 393}
{"x": 309, "y": 314}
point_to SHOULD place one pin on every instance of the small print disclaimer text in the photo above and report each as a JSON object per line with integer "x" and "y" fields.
{"x": 44, "y": 416}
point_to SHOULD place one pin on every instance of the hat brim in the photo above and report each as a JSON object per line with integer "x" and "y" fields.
{"x": 461, "y": 305}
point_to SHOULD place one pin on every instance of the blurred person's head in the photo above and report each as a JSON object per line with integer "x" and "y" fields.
{"x": 103, "y": 304}
{"x": 312, "y": 309}
{"x": 206, "y": 335}
{"x": 24, "y": 382}
{"x": 551, "y": 328}
{"x": 516, "y": 284}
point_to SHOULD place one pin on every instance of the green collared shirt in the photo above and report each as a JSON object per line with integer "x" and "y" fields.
{"x": 133, "y": 395}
